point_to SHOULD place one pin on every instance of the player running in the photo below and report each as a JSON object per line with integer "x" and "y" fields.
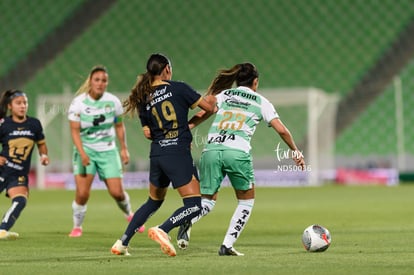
{"x": 227, "y": 151}
{"x": 163, "y": 106}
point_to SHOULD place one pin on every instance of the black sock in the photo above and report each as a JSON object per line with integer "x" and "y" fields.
{"x": 140, "y": 217}
{"x": 10, "y": 217}
{"x": 191, "y": 209}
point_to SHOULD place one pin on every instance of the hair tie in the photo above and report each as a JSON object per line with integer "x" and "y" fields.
{"x": 16, "y": 94}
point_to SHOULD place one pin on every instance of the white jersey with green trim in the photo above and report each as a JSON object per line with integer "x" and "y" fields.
{"x": 97, "y": 118}
{"x": 239, "y": 111}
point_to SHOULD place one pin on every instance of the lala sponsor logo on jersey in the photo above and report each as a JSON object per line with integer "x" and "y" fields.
{"x": 222, "y": 137}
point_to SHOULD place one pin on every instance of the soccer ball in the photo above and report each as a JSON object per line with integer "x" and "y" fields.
{"x": 316, "y": 238}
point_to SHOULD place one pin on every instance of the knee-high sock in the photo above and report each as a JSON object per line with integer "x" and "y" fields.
{"x": 125, "y": 205}
{"x": 10, "y": 217}
{"x": 140, "y": 217}
{"x": 238, "y": 221}
{"x": 79, "y": 212}
{"x": 206, "y": 207}
{"x": 191, "y": 209}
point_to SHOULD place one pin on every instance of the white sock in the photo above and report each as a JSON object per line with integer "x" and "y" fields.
{"x": 125, "y": 205}
{"x": 238, "y": 221}
{"x": 206, "y": 206}
{"x": 79, "y": 212}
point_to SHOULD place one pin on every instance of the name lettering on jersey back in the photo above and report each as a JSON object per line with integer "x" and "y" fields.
{"x": 160, "y": 95}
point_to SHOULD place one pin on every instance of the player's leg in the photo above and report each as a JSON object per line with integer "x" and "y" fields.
{"x": 184, "y": 230}
{"x": 238, "y": 222}
{"x": 191, "y": 207}
{"x": 211, "y": 176}
{"x": 154, "y": 202}
{"x": 157, "y": 192}
{"x": 239, "y": 168}
{"x": 18, "y": 196}
{"x": 109, "y": 169}
{"x": 180, "y": 171}
{"x": 121, "y": 197}
{"x": 83, "y": 180}
{"x": 79, "y": 204}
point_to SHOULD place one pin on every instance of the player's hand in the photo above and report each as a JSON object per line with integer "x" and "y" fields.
{"x": 299, "y": 159}
{"x": 147, "y": 132}
{"x": 300, "y": 162}
{"x": 124, "y": 156}
{"x": 3, "y": 161}
{"x": 44, "y": 159}
{"x": 85, "y": 160}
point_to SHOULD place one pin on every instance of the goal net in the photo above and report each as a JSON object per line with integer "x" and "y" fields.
{"x": 308, "y": 113}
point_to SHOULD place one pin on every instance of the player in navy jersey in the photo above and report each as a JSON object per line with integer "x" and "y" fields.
{"x": 19, "y": 134}
{"x": 163, "y": 106}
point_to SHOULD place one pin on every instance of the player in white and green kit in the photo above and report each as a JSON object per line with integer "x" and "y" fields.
{"x": 227, "y": 152}
{"x": 95, "y": 117}
{"x": 239, "y": 111}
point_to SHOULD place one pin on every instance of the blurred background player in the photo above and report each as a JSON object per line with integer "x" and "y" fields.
{"x": 19, "y": 134}
{"x": 163, "y": 106}
{"x": 227, "y": 151}
{"x": 95, "y": 117}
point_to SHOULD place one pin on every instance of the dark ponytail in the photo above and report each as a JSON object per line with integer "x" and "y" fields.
{"x": 243, "y": 74}
{"x": 141, "y": 92}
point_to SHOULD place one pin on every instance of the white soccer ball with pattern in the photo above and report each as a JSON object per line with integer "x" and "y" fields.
{"x": 316, "y": 238}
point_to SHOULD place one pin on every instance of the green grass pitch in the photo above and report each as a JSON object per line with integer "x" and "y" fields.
{"x": 372, "y": 230}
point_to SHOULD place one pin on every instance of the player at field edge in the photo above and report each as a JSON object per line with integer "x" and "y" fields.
{"x": 163, "y": 106}
{"x": 227, "y": 151}
{"x": 19, "y": 134}
{"x": 95, "y": 118}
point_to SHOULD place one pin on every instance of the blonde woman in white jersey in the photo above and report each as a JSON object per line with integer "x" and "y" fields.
{"x": 95, "y": 117}
{"x": 227, "y": 151}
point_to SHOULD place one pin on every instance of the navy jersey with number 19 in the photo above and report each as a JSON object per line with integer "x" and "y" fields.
{"x": 166, "y": 114}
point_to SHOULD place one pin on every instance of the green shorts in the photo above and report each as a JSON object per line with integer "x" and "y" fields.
{"x": 107, "y": 164}
{"x": 216, "y": 164}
